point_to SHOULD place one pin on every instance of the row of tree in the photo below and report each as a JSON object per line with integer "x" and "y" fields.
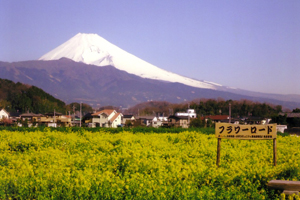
{"x": 204, "y": 107}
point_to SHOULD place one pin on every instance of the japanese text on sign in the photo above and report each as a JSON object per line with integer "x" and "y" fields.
{"x": 250, "y": 132}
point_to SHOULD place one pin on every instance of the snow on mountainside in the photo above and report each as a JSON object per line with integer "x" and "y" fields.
{"x": 93, "y": 49}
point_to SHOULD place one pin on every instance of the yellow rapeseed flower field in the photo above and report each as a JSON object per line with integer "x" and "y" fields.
{"x": 53, "y": 164}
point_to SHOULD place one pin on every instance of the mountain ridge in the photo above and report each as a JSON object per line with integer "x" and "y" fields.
{"x": 73, "y": 81}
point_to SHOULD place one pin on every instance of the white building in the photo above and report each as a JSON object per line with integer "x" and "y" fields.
{"x": 4, "y": 114}
{"x": 281, "y": 128}
{"x": 190, "y": 113}
{"x": 158, "y": 121}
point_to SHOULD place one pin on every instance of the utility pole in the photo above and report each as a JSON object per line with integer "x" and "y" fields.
{"x": 69, "y": 119}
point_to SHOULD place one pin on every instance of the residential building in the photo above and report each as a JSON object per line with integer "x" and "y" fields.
{"x": 54, "y": 119}
{"x": 281, "y": 128}
{"x": 127, "y": 119}
{"x": 146, "y": 120}
{"x": 106, "y": 118}
{"x": 49, "y": 119}
{"x": 178, "y": 121}
{"x": 4, "y": 114}
{"x": 159, "y": 121}
{"x": 189, "y": 113}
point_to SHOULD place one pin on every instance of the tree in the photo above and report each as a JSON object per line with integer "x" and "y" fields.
{"x": 196, "y": 122}
{"x": 128, "y": 123}
{"x": 297, "y": 110}
{"x": 25, "y": 123}
{"x": 209, "y": 123}
{"x": 280, "y": 119}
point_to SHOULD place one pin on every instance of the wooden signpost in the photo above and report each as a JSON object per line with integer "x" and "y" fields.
{"x": 246, "y": 132}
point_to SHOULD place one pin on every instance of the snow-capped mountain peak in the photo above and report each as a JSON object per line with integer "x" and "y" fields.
{"x": 95, "y": 50}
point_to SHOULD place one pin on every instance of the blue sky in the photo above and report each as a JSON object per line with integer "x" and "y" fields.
{"x": 251, "y": 44}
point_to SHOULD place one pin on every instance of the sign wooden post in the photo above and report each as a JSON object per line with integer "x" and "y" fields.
{"x": 274, "y": 152}
{"x": 246, "y": 132}
{"x": 218, "y": 151}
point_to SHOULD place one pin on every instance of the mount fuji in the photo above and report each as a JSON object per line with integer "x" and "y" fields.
{"x": 95, "y": 50}
{"x": 88, "y": 68}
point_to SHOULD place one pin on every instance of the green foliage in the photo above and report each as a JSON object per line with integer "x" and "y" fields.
{"x": 279, "y": 119}
{"x": 296, "y": 110}
{"x": 22, "y": 98}
{"x": 293, "y": 122}
{"x": 197, "y": 122}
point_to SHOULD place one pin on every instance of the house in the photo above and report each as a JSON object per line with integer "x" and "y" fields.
{"x": 256, "y": 120}
{"x": 189, "y": 113}
{"x": 29, "y": 119}
{"x": 49, "y": 119}
{"x": 54, "y": 119}
{"x": 281, "y": 128}
{"x": 146, "y": 120}
{"x": 4, "y": 114}
{"x": 5, "y": 118}
{"x": 159, "y": 121}
{"x": 127, "y": 119}
{"x": 106, "y": 118}
{"x": 178, "y": 121}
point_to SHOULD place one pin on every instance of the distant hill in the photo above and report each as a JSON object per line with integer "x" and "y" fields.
{"x": 18, "y": 97}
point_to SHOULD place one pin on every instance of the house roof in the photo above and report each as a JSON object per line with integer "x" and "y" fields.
{"x": 31, "y": 115}
{"x": 106, "y": 111}
{"x": 114, "y": 117}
